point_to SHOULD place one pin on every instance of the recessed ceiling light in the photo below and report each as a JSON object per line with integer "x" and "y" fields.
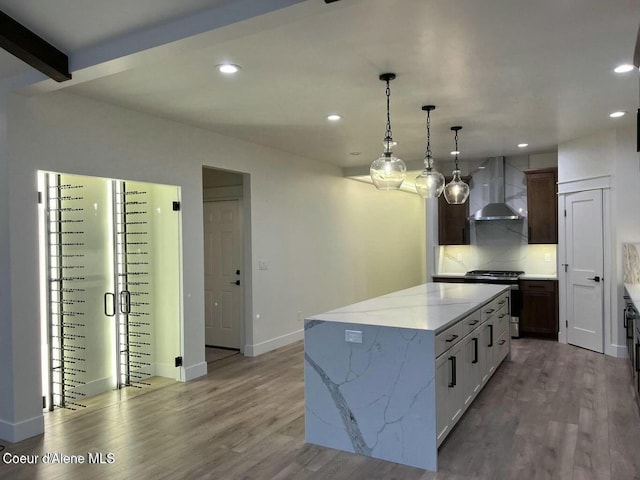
{"x": 616, "y": 114}
{"x": 481, "y": 167}
{"x": 455, "y": 152}
{"x": 355, "y": 154}
{"x": 228, "y": 68}
{"x": 523, "y": 145}
{"x": 624, "y": 68}
{"x": 334, "y": 117}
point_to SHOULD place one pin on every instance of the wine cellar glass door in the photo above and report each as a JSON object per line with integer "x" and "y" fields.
{"x": 111, "y": 283}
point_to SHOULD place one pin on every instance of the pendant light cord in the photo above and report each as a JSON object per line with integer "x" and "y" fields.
{"x": 427, "y": 154}
{"x": 456, "y": 138}
{"x": 388, "y": 137}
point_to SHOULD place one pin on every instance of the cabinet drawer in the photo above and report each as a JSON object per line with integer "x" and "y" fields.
{"x": 537, "y": 285}
{"x": 448, "y": 338}
{"x": 470, "y": 323}
{"x": 502, "y": 347}
{"x": 502, "y": 317}
{"x": 494, "y": 306}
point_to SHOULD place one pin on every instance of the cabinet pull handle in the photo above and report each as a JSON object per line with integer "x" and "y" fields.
{"x": 502, "y": 316}
{"x": 490, "y": 311}
{"x": 475, "y": 350}
{"x": 453, "y": 372}
{"x": 463, "y": 238}
{"x": 637, "y": 355}
{"x": 529, "y": 234}
{"x": 501, "y": 342}
{"x": 624, "y": 316}
{"x": 490, "y": 336}
{"x": 474, "y": 322}
{"x": 451, "y": 338}
{"x": 502, "y": 302}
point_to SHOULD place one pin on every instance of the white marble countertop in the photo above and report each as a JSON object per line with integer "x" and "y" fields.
{"x": 533, "y": 276}
{"x": 431, "y": 306}
{"x": 633, "y": 289}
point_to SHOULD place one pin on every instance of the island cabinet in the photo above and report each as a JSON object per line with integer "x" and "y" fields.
{"x": 453, "y": 221}
{"x": 539, "y": 311}
{"x": 391, "y": 376}
{"x": 473, "y": 349}
{"x": 542, "y": 205}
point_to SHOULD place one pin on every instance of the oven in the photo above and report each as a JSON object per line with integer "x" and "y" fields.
{"x": 503, "y": 277}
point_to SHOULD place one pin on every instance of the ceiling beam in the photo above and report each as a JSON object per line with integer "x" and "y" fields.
{"x": 21, "y": 42}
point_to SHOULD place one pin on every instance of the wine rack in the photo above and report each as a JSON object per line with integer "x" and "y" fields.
{"x": 133, "y": 283}
{"x": 65, "y": 267}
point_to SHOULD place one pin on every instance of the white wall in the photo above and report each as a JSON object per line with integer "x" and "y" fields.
{"x": 329, "y": 241}
{"x": 610, "y": 152}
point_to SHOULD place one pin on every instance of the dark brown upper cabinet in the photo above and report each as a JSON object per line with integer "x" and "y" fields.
{"x": 453, "y": 220}
{"x": 542, "y": 205}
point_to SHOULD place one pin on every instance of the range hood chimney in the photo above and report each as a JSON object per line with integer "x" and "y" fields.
{"x": 496, "y": 209}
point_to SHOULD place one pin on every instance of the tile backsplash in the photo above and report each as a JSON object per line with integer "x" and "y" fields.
{"x": 631, "y": 262}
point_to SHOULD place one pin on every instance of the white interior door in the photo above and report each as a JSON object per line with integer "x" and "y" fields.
{"x": 584, "y": 237}
{"x": 223, "y": 289}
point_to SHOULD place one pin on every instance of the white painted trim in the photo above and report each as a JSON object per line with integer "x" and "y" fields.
{"x": 607, "y": 274}
{"x": 562, "y": 276}
{"x": 194, "y": 371}
{"x": 96, "y": 387}
{"x": 583, "y": 184}
{"x": 618, "y": 351}
{"x": 16, "y": 432}
{"x": 267, "y": 346}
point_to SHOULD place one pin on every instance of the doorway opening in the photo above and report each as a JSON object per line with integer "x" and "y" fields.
{"x": 110, "y": 287}
{"x": 223, "y": 207}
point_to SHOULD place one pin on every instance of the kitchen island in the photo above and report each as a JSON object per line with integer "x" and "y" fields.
{"x": 389, "y": 377}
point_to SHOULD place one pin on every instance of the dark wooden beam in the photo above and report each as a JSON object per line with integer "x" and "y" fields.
{"x": 30, "y": 48}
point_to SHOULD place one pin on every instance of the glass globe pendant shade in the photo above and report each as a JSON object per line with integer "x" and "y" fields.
{"x": 456, "y": 191}
{"x": 388, "y": 171}
{"x": 430, "y": 183}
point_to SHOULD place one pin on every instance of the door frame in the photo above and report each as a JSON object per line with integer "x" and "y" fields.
{"x": 237, "y": 194}
{"x": 610, "y": 327}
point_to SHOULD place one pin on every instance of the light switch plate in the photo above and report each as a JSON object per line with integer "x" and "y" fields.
{"x": 547, "y": 257}
{"x": 353, "y": 336}
{"x": 263, "y": 265}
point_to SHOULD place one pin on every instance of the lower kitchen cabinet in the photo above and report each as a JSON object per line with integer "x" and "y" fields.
{"x": 468, "y": 354}
{"x": 539, "y": 311}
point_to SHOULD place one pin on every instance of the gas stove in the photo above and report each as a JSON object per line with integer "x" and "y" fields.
{"x": 493, "y": 275}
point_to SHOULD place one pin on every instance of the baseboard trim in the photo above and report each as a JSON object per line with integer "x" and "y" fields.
{"x": 16, "y": 432}
{"x": 272, "y": 344}
{"x": 617, "y": 351}
{"x": 195, "y": 371}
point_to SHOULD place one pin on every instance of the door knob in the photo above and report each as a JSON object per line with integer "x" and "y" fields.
{"x": 237, "y": 282}
{"x": 595, "y": 279}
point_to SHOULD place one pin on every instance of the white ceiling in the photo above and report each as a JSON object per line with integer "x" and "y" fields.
{"x": 508, "y": 71}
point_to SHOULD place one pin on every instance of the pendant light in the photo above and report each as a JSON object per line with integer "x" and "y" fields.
{"x": 456, "y": 191}
{"x": 430, "y": 183}
{"x": 388, "y": 171}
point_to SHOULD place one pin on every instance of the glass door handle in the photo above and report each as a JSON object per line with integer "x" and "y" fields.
{"x": 125, "y": 302}
{"x": 106, "y": 304}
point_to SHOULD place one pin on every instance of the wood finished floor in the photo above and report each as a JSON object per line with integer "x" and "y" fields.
{"x": 553, "y": 411}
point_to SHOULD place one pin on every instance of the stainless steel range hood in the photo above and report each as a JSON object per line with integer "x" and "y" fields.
{"x": 496, "y": 209}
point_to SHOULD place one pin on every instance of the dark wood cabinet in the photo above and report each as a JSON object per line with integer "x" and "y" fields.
{"x": 539, "y": 311}
{"x": 453, "y": 220}
{"x": 542, "y": 205}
